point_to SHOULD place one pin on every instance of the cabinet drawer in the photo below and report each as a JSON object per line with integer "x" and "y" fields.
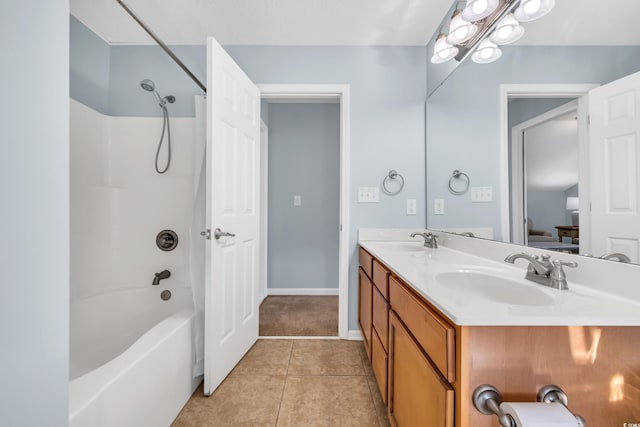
{"x": 365, "y": 289}
{"x": 379, "y": 364}
{"x": 381, "y": 278}
{"x": 434, "y": 334}
{"x": 381, "y": 317}
{"x": 366, "y": 262}
{"x": 418, "y": 395}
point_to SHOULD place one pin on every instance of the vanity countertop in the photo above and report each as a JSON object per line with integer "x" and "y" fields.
{"x": 504, "y": 297}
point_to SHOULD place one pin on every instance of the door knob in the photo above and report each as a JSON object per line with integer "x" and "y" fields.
{"x": 217, "y": 234}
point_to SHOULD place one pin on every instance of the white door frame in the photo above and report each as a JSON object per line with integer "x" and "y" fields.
{"x": 264, "y": 214}
{"x": 318, "y": 93}
{"x": 518, "y": 173}
{"x": 537, "y": 91}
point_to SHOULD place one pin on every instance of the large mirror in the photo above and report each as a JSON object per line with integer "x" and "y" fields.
{"x": 545, "y": 138}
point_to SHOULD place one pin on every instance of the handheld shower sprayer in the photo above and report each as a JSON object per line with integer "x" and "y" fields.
{"x": 150, "y": 86}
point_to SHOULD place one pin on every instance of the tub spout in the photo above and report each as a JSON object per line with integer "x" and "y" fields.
{"x": 164, "y": 274}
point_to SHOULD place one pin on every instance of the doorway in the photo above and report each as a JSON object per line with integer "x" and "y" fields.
{"x": 545, "y": 171}
{"x": 305, "y": 198}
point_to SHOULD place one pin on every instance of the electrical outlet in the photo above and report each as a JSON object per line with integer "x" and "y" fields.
{"x": 481, "y": 194}
{"x": 438, "y": 206}
{"x": 411, "y": 206}
{"x": 297, "y": 200}
{"x": 368, "y": 195}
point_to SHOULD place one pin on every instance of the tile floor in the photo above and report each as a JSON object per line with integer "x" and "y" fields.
{"x": 293, "y": 383}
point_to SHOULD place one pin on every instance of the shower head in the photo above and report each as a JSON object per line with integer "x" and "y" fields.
{"x": 148, "y": 85}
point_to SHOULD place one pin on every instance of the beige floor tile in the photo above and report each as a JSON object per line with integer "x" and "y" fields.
{"x": 326, "y": 357}
{"x": 378, "y": 403}
{"x": 239, "y": 401}
{"x": 266, "y": 357}
{"x": 368, "y": 369}
{"x": 327, "y": 401}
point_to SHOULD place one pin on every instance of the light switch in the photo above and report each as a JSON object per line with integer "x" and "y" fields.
{"x": 438, "y": 206}
{"x": 411, "y": 206}
{"x": 297, "y": 200}
{"x": 368, "y": 195}
{"x": 481, "y": 194}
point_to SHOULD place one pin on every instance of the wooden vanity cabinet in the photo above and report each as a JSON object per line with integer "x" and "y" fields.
{"x": 380, "y": 313}
{"x": 365, "y": 289}
{"x": 418, "y": 394}
{"x": 427, "y": 367}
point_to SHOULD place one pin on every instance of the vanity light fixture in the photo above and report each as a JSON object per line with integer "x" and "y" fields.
{"x": 443, "y": 51}
{"x": 507, "y": 31}
{"x": 486, "y": 52}
{"x": 460, "y": 30}
{"x": 479, "y": 9}
{"x": 483, "y": 25}
{"x": 530, "y": 10}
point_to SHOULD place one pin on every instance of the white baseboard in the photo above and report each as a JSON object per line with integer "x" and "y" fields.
{"x": 355, "y": 335}
{"x": 302, "y": 291}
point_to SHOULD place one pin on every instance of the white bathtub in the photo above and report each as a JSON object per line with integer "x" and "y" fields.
{"x": 131, "y": 358}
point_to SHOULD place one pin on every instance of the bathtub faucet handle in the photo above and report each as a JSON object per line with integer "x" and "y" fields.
{"x": 164, "y": 274}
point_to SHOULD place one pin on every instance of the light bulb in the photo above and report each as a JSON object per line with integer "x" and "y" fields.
{"x": 531, "y": 7}
{"x": 461, "y": 33}
{"x": 486, "y": 53}
{"x": 479, "y": 6}
{"x": 460, "y": 30}
{"x": 505, "y": 32}
{"x": 443, "y": 51}
{"x": 479, "y": 9}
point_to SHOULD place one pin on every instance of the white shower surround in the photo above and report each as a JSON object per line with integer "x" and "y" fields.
{"x": 131, "y": 352}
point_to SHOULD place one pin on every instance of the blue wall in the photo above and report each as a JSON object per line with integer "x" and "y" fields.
{"x": 34, "y": 193}
{"x": 304, "y": 159}
{"x": 388, "y": 89}
{"x": 90, "y": 58}
{"x": 463, "y": 129}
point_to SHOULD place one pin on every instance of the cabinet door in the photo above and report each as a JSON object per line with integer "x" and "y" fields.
{"x": 418, "y": 394}
{"x": 381, "y": 317}
{"x": 365, "y": 309}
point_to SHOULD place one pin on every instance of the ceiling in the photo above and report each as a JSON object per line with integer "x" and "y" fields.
{"x": 267, "y": 22}
{"x": 341, "y": 22}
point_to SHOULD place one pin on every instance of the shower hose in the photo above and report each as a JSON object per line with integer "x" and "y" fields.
{"x": 165, "y": 126}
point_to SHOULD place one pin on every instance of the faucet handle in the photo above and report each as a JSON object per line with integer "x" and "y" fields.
{"x": 559, "y": 263}
{"x": 557, "y": 276}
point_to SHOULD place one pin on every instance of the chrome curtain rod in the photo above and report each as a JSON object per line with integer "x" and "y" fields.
{"x": 162, "y": 45}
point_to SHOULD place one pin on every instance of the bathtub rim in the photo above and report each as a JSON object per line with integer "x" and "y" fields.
{"x": 85, "y": 389}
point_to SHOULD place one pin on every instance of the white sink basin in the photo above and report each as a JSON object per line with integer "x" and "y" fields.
{"x": 495, "y": 288}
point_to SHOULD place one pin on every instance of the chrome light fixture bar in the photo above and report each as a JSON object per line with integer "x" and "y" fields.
{"x": 485, "y": 27}
{"x": 482, "y": 26}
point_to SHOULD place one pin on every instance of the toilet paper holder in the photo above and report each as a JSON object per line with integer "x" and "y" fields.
{"x": 487, "y": 399}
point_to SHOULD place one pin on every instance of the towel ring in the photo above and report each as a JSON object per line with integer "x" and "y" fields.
{"x": 457, "y": 175}
{"x": 392, "y": 175}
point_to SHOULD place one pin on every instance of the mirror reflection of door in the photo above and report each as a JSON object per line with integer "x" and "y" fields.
{"x": 550, "y": 172}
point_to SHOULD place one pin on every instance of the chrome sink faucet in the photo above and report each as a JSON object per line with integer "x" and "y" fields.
{"x": 543, "y": 271}
{"x": 616, "y": 256}
{"x": 429, "y": 239}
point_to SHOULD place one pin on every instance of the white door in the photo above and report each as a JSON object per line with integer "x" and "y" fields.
{"x": 233, "y": 185}
{"x": 614, "y": 136}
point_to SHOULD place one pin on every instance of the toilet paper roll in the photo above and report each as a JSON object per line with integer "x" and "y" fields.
{"x": 539, "y": 414}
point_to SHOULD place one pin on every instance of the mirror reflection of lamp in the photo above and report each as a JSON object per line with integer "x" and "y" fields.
{"x": 573, "y": 205}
